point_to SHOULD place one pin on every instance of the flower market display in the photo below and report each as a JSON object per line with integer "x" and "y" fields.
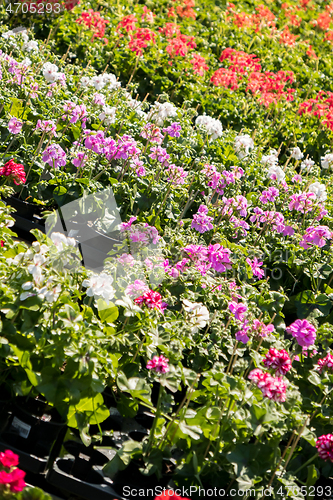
{"x": 166, "y": 225}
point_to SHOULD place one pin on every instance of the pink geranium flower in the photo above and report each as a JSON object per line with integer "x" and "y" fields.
{"x": 159, "y": 364}
{"x": 15, "y": 125}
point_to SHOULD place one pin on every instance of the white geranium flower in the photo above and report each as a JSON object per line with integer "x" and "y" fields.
{"x": 327, "y": 161}
{"x": 111, "y": 80}
{"x": 99, "y": 287}
{"x": 8, "y": 34}
{"x": 271, "y": 159}
{"x": 85, "y": 81}
{"x": 307, "y": 165}
{"x": 108, "y": 115}
{"x": 319, "y": 190}
{"x": 296, "y": 153}
{"x": 59, "y": 239}
{"x": 52, "y": 294}
{"x": 212, "y": 126}
{"x": 98, "y": 82}
{"x": 40, "y": 248}
{"x": 243, "y": 144}
{"x": 9, "y": 222}
{"x": 276, "y": 173}
{"x": 26, "y": 62}
{"x": 50, "y": 72}
{"x": 198, "y": 314}
{"x": 35, "y": 268}
{"x": 30, "y": 46}
{"x": 160, "y": 112}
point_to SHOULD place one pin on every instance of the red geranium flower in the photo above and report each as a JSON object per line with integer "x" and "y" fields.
{"x": 15, "y": 171}
{"x": 8, "y": 458}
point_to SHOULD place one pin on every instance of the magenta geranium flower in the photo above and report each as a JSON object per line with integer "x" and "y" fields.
{"x": 238, "y": 309}
{"x": 219, "y": 257}
{"x": 201, "y": 221}
{"x": 303, "y": 331}
{"x": 54, "y": 155}
{"x": 255, "y": 267}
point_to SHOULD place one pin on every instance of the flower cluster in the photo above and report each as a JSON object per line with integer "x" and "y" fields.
{"x": 268, "y": 86}
{"x": 201, "y": 221}
{"x": 159, "y": 364}
{"x": 303, "y": 331}
{"x": 139, "y": 40}
{"x": 11, "y": 478}
{"x": 55, "y": 156}
{"x": 320, "y": 106}
{"x": 198, "y": 314}
{"x": 100, "y": 286}
{"x": 325, "y": 363}
{"x": 151, "y": 299}
{"x": 212, "y": 126}
{"x": 95, "y": 22}
{"x": 279, "y": 361}
{"x": 14, "y": 171}
{"x": 324, "y": 445}
{"x": 271, "y": 387}
{"x": 316, "y": 235}
{"x": 140, "y": 233}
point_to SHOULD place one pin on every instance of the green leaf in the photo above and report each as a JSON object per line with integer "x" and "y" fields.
{"x": 194, "y": 431}
{"x": 93, "y": 408}
{"x": 107, "y": 313}
{"x": 314, "y": 378}
{"x": 313, "y": 475}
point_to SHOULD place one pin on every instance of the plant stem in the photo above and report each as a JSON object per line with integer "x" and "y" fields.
{"x": 306, "y": 463}
{"x": 152, "y": 431}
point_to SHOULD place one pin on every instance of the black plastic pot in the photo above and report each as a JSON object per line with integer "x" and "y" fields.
{"x": 33, "y": 427}
{"x": 93, "y": 487}
{"x": 6, "y": 401}
{"x": 27, "y": 217}
{"x": 138, "y": 435}
{"x": 132, "y": 477}
{"x": 97, "y": 456}
{"x": 145, "y": 418}
{"x": 112, "y": 423}
{"x": 28, "y": 462}
{"x": 94, "y": 245}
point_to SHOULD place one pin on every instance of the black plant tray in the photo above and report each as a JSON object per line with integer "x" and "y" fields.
{"x": 99, "y": 489}
{"x": 29, "y": 463}
{"x": 27, "y": 216}
{"x": 94, "y": 249}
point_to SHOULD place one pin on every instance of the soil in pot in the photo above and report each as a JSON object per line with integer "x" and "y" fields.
{"x": 33, "y": 427}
